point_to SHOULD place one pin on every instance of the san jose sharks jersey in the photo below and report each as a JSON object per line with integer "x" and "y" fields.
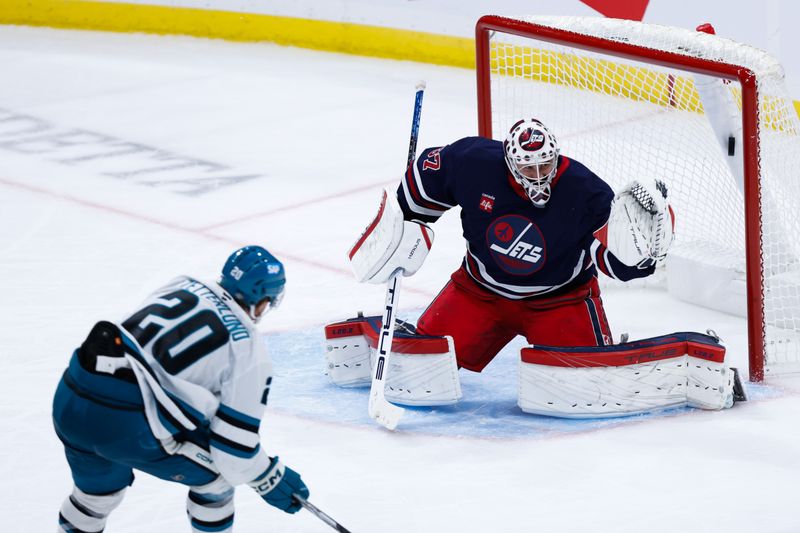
{"x": 515, "y": 249}
{"x": 198, "y": 333}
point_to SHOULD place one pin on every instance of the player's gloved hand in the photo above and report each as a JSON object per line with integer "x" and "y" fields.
{"x": 390, "y": 243}
{"x": 277, "y": 485}
{"x": 640, "y": 226}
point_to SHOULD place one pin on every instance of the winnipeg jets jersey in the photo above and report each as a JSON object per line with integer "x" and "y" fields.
{"x": 198, "y": 333}
{"x": 515, "y": 249}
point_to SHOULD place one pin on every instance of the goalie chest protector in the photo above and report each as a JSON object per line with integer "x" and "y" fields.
{"x": 513, "y": 248}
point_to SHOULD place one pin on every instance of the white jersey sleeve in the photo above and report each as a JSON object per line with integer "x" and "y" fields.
{"x": 235, "y": 442}
{"x": 198, "y": 333}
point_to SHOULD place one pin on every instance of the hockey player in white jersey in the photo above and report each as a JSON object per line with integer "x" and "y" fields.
{"x": 178, "y": 392}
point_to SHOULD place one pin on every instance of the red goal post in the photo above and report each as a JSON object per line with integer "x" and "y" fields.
{"x": 535, "y": 51}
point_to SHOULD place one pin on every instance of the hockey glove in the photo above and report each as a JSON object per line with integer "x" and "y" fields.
{"x": 277, "y": 484}
{"x": 390, "y": 243}
{"x": 640, "y": 226}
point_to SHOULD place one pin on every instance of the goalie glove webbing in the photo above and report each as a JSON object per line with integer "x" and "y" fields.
{"x": 640, "y": 223}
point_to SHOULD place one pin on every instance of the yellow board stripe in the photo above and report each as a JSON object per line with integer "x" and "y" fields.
{"x": 641, "y": 84}
{"x": 596, "y": 75}
{"x": 342, "y": 37}
{"x": 357, "y": 39}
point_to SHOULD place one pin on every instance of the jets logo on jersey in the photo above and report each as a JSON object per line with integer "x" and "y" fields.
{"x": 486, "y": 203}
{"x": 531, "y": 140}
{"x": 516, "y": 244}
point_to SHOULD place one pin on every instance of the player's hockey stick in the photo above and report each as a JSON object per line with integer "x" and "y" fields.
{"x": 388, "y": 414}
{"x": 311, "y": 508}
{"x": 412, "y": 145}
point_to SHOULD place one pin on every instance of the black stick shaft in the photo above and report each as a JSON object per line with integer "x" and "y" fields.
{"x": 412, "y": 145}
{"x": 313, "y": 509}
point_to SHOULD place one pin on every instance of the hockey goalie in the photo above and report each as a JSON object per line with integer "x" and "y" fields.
{"x": 539, "y": 227}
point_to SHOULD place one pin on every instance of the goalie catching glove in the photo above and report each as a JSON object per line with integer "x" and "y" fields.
{"x": 390, "y": 243}
{"x": 641, "y": 223}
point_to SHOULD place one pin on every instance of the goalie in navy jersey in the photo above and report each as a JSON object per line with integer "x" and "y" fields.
{"x": 538, "y": 226}
{"x": 177, "y": 390}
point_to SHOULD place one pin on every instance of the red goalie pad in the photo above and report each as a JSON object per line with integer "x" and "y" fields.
{"x": 681, "y": 369}
{"x": 406, "y": 340}
{"x": 694, "y": 344}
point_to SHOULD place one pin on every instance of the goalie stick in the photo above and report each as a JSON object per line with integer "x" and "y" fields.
{"x": 387, "y": 414}
{"x": 311, "y": 508}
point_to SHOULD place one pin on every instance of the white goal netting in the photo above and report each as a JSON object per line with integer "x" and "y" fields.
{"x": 629, "y": 118}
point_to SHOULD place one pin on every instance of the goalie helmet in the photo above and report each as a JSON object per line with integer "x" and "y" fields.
{"x": 531, "y": 153}
{"x": 252, "y": 276}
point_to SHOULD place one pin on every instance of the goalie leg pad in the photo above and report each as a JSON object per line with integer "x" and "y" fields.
{"x": 348, "y": 353}
{"x": 710, "y": 384}
{"x": 417, "y": 379}
{"x": 422, "y": 369}
{"x": 631, "y": 378}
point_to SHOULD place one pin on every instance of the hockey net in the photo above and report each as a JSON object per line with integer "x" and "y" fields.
{"x": 622, "y": 97}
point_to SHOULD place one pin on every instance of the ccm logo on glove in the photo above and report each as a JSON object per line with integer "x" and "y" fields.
{"x": 272, "y": 480}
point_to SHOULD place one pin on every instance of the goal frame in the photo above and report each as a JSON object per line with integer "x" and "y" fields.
{"x": 489, "y": 24}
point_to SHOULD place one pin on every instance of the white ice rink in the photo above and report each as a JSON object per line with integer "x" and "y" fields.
{"x": 128, "y": 159}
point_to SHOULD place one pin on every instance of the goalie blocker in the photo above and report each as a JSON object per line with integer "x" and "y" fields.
{"x": 390, "y": 243}
{"x": 422, "y": 368}
{"x": 630, "y": 378}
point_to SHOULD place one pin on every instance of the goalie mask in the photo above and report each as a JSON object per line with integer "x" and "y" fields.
{"x": 531, "y": 153}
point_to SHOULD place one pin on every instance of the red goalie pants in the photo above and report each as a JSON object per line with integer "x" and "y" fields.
{"x": 482, "y": 323}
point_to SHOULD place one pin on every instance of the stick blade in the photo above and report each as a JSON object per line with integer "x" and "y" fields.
{"x": 386, "y": 414}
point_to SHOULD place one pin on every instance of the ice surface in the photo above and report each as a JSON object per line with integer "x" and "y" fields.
{"x": 87, "y": 232}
